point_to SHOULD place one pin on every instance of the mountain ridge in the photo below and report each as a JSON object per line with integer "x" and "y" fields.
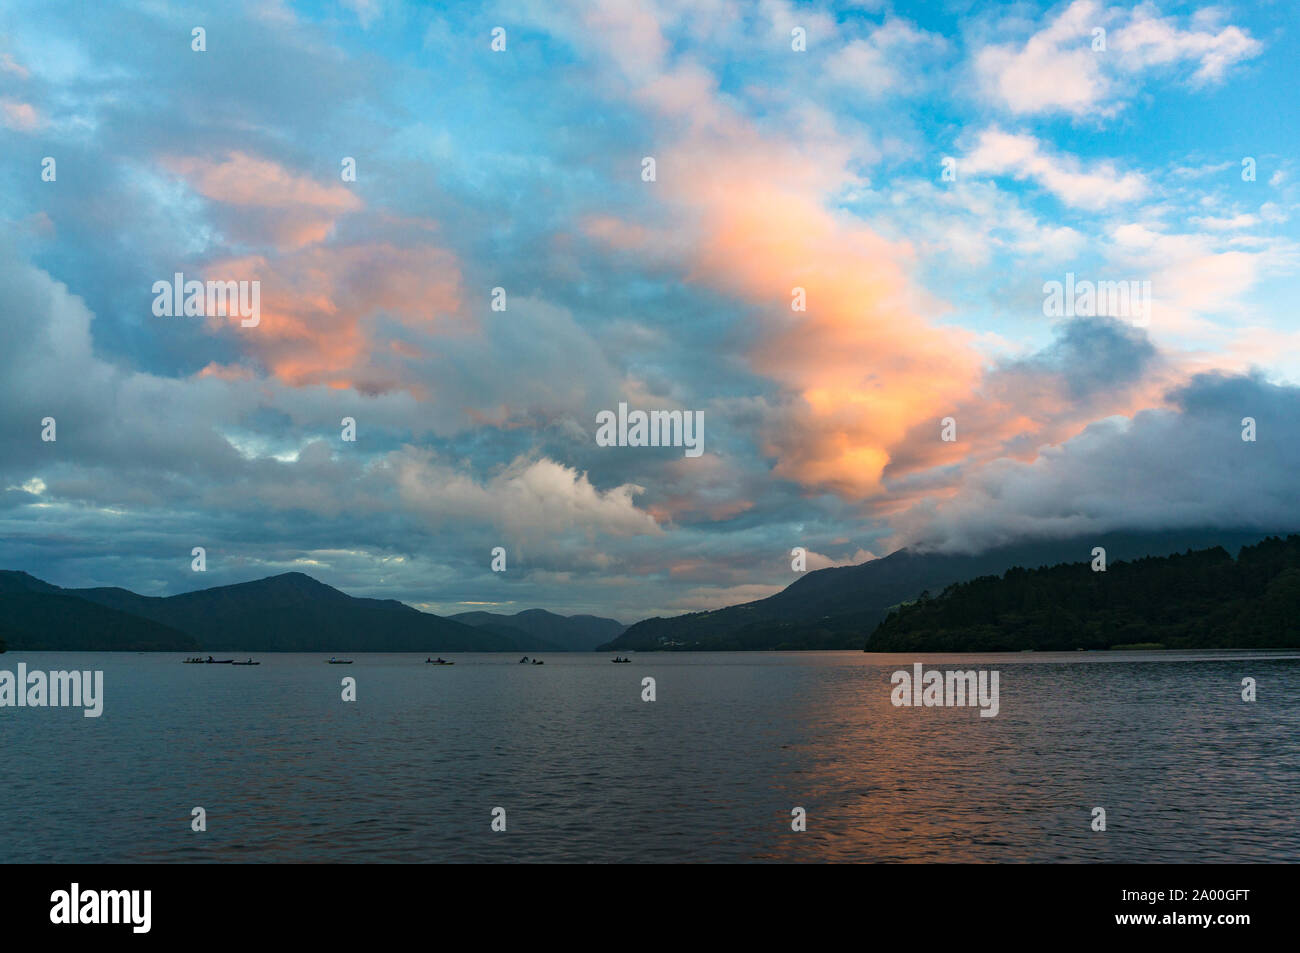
{"x": 833, "y": 608}
{"x": 824, "y": 608}
{"x": 575, "y": 633}
{"x": 286, "y": 612}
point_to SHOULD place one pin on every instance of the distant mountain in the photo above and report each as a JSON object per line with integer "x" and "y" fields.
{"x": 837, "y": 608}
{"x": 291, "y": 612}
{"x": 1199, "y": 599}
{"x": 39, "y": 617}
{"x": 575, "y": 633}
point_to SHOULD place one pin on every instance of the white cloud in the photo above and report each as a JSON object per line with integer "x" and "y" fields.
{"x": 1057, "y": 69}
{"x": 973, "y": 221}
{"x": 367, "y": 11}
{"x": 527, "y": 498}
{"x": 889, "y": 59}
{"x": 1222, "y": 224}
{"x": 1196, "y": 278}
{"x": 1024, "y": 157}
{"x": 1150, "y": 40}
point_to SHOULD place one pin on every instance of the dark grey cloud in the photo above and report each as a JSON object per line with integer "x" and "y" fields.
{"x": 1182, "y": 466}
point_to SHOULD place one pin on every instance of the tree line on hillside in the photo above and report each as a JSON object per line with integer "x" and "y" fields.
{"x": 1197, "y": 599}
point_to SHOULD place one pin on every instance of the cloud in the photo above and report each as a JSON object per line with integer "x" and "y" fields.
{"x": 1024, "y": 157}
{"x": 526, "y": 500}
{"x": 323, "y": 307}
{"x": 19, "y": 116}
{"x": 701, "y": 599}
{"x": 159, "y": 464}
{"x": 265, "y": 202}
{"x": 776, "y": 170}
{"x": 1057, "y": 70}
{"x": 1194, "y": 277}
{"x": 1095, "y": 368}
{"x": 9, "y": 65}
{"x": 862, "y": 363}
{"x": 1148, "y": 40}
{"x": 818, "y": 561}
{"x": 367, "y": 11}
{"x": 1219, "y": 223}
{"x": 970, "y": 223}
{"x": 1181, "y": 467}
{"x": 890, "y": 59}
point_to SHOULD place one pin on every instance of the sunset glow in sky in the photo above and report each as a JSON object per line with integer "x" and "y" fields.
{"x": 775, "y": 168}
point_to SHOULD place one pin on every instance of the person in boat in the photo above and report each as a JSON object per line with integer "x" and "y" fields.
{"x": 209, "y": 658}
{"x": 523, "y": 660}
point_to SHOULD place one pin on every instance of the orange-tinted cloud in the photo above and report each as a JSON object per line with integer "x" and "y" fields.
{"x": 226, "y": 372}
{"x": 862, "y": 364}
{"x": 263, "y": 203}
{"x": 322, "y": 303}
{"x": 866, "y": 373}
{"x": 321, "y": 308}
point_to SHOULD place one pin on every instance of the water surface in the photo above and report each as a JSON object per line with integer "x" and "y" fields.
{"x": 709, "y": 771}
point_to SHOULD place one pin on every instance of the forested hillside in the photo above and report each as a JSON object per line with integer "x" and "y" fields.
{"x": 1199, "y": 599}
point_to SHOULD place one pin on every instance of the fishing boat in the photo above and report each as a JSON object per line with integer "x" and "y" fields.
{"x": 249, "y": 662}
{"x": 620, "y": 661}
{"x": 438, "y": 661}
{"x": 338, "y": 661}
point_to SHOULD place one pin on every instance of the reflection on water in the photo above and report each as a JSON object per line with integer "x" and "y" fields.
{"x": 586, "y": 771}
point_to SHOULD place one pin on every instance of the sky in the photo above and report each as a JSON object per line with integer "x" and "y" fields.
{"x": 839, "y": 255}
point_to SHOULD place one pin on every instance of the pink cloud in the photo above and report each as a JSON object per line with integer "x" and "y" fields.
{"x": 322, "y": 307}
{"x": 262, "y": 202}
{"x": 19, "y": 116}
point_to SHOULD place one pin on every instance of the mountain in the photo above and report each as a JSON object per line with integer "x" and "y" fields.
{"x": 291, "y": 612}
{"x": 1197, "y": 599}
{"x": 575, "y": 633}
{"x": 836, "y": 608}
{"x": 39, "y": 617}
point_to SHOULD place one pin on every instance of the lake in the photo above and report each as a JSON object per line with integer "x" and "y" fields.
{"x": 709, "y": 771}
